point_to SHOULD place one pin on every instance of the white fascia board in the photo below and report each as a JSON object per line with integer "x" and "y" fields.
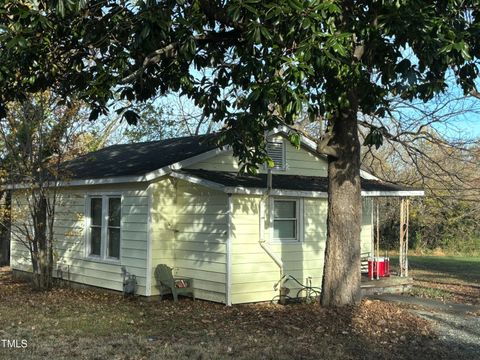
{"x": 275, "y": 192}
{"x": 199, "y": 181}
{"x": 368, "y": 176}
{"x": 184, "y": 163}
{"x": 400, "y": 193}
{"x": 83, "y": 182}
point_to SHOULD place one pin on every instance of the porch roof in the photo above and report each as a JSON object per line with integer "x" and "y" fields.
{"x": 232, "y": 182}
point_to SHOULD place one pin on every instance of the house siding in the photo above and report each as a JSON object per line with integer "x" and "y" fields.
{"x": 186, "y": 226}
{"x": 189, "y": 233}
{"x": 298, "y": 162}
{"x": 162, "y": 225}
{"x": 70, "y": 240}
{"x": 254, "y": 273}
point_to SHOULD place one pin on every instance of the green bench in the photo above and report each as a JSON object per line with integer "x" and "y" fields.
{"x": 168, "y": 284}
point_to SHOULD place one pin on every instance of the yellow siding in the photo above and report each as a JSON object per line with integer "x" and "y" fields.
{"x": 189, "y": 231}
{"x": 162, "y": 219}
{"x": 69, "y": 237}
{"x": 299, "y": 162}
{"x": 254, "y": 273}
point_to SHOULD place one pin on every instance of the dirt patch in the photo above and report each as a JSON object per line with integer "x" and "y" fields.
{"x": 87, "y": 324}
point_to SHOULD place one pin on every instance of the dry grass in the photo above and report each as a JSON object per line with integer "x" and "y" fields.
{"x": 80, "y": 324}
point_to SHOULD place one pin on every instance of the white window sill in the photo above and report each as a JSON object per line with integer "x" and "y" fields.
{"x": 285, "y": 242}
{"x": 103, "y": 261}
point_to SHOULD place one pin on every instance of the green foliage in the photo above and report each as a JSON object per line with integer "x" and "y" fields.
{"x": 153, "y": 124}
{"x": 450, "y": 225}
{"x": 253, "y": 64}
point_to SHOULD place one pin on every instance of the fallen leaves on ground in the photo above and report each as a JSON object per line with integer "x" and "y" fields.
{"x": 97, "y": 324}
{"x": 458, "y": 293}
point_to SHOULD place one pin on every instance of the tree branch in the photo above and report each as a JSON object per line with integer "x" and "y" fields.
{"x": 171, "y": 50}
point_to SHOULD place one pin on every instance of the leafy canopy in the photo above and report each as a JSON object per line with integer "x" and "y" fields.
{"x": 253, "y": 64}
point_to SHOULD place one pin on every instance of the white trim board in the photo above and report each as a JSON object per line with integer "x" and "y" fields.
{"x": 228, "y": 277}
{"x": 398, "y": 193}
{"x": 285, "y": 192}
{"x": 148, "y": 272}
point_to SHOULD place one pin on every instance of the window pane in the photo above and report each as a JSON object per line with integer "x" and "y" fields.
{"x": 284, "y": 229}
{"x": 114, "y": 212}
{"x": 95, "y": 240}
{"x": 96, "y": 211}
{"x": 285, "y": 209}
{"x": 113, "y": 243}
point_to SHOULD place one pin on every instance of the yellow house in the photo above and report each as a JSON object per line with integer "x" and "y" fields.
{"x": 180, "y": 202}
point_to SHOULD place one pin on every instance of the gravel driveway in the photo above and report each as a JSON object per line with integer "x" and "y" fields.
{"x": 457, "y": 325}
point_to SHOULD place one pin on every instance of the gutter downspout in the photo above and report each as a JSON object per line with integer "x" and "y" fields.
{"x": 262, "y": 240}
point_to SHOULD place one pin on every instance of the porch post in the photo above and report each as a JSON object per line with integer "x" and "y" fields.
{"x": 404, "y": 219}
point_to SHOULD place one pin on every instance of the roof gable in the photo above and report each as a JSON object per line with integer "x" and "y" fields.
{"x": 147, "y": 161}
{"x": 302, "y": 161}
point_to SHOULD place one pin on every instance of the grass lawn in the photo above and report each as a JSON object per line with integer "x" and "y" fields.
{"x": 85, "y": 324}
{"x": 450, "y": 278}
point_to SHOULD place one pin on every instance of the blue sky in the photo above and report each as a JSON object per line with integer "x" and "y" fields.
{"x": 468, "y": 125}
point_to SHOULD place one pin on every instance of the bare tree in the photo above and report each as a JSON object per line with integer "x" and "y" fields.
{"x": 38, "y": 134}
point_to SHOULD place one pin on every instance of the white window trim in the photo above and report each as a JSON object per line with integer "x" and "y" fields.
{"x": 299, "y": 209}
{"x": 103, "y": 245}
{"x": 284, "y": 156}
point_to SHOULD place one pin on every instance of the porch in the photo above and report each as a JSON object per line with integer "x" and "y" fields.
{"x": 377, "y": 275}
{"x": 390, "y": 284}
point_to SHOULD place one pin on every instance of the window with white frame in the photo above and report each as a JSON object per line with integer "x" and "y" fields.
{"x": 276, "y": 152}
{"x": 103, "y": 230}
{"x": 286, "y": 220}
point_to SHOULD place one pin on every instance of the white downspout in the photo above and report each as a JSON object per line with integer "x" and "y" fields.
{"x": 261, "y": 239}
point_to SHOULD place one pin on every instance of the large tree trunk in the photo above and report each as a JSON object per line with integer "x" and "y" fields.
{"x": 341, "y": 276}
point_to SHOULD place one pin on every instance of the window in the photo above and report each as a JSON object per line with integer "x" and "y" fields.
{"x": 276, "y": 151}
{"x": 103, "y": 231}
{"x": 286, "y": 220}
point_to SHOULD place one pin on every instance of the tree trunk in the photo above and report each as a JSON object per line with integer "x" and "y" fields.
{"x": 5, "y": 227}
{"x": 341, "y": 275}
{"x": 43, "y": 274}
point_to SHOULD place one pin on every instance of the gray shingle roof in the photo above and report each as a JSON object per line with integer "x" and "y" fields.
{"x": 141, "y": 158}
{"x": 137, "y": 159}
{"x": 286, "y": 182}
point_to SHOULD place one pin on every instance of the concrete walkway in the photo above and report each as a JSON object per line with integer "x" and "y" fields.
{"x": 428, "y": 303}
{"x": 457, "y": 325}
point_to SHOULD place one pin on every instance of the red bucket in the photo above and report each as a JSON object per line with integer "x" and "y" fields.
{"x": 380, "y": 265}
